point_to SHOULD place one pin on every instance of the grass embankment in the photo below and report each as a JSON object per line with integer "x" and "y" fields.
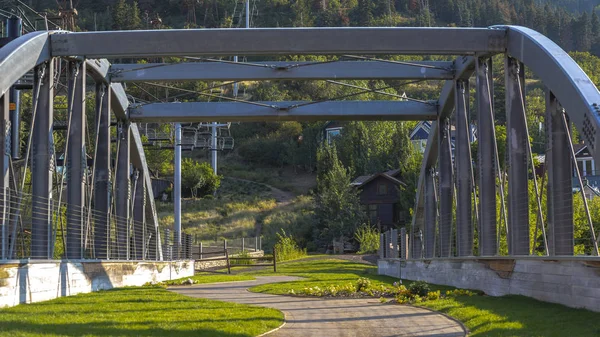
{"x": 148, "y": 311}
{"x": 241, "y": 209}
{"x": 286, "y": 179}
{"x": 482, "y": 315}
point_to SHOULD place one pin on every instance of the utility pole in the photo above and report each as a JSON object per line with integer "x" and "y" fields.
{"x": 214, "y": 146}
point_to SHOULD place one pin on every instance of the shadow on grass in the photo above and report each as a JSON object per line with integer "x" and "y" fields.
{"x": 108, "y": 328}
{"x": 518, "y": 316}
{"x": 136, "y": 311}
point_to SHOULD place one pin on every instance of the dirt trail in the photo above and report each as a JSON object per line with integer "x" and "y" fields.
{"x": 279, "y": 195}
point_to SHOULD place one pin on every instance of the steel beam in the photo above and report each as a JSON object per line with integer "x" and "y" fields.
{"x": 102, "y": 175}
{"x": 430, "y": 216}
{"x": 21, "y": 55}
{"x": 560, "y": 189}
{"x": 123, "y": 192}
{"x": 41, "y": 159}
{"x": 486, "y": 163}
{"x": 138, "y": 159}
{"x": 464, "y": 224}
{"x": 76, "y": 161}
{"x": 518, "y": 182}
{"x": 139, "y": 217}
{"x": 572, "y": 87}
{"x": 119, "y": 104}
{"x": 279, "y": 41}
{"x": 282, "y": 111}
{"x": 256, "y": 71}
{"x": 5, "y": 153}
{"x": 446, "y": 178}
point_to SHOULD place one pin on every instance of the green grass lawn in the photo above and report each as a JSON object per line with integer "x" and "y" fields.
{"x": 137, "y": 311}
{"x": 482, "y": 315}
{"x": 204, "y": 277}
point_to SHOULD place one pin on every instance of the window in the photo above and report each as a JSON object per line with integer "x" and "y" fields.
{"x": 382, "y": 189}
{"x": 588, "y": 168}
{"x": 372, "y": 213}
{"x": 332, "y": 134}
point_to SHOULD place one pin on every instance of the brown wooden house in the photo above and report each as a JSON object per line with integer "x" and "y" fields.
{"x": 379, "y": 195}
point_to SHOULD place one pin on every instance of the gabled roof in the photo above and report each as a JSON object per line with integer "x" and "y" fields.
{"x": 424, "y": 126}
{"x": 578, "y": 148}
{"x": 393, "y": 173}
{"x": 364, "y": 180}
{"x": 360, "y": 180}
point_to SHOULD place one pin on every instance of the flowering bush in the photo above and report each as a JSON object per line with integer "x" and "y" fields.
{"x": 363, "y": 283}
{"x": 416, "y": 292}
{"x": 433, "y": 295}
{"x": 459, "y": 292}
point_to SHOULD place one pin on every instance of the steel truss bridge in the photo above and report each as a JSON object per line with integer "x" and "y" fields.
{"x": 109, "y": 209}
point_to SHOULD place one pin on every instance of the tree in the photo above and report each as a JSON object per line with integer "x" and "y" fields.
{"x": 338, "y": 208}
{"x": 126, "y": 16}
{"x": 198, "y": 177}
{"x": 583, "y": 33}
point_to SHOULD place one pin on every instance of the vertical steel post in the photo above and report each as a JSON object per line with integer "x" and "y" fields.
{"x": 518, "y": 183}
{"x": 214, "y": 147}
{"x": 446, "y": 188}
{"x": 42, "y": 163}
{"x": 430, "y": 216}
{"x": 139, "y": 216}
{"x": 76, "y": 157}
{"x": 486, "y": 158}
{"x": 464, "y": 188}
{"x": 5, "y": 152}
{"x": 394, "y": 239}
{"x": 102, "y": 165}
{"x": 560, "y": 189}
{"x": 177, "y": 188}
{"x": 123, "y": 191}
{"x": 14, "y": 28}
{"x": 403, "y": 243}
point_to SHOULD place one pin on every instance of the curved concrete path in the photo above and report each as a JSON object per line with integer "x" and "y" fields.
{"x": 316, "y": 317}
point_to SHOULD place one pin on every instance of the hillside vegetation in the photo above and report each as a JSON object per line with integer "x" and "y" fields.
{"x": 293, "y": 155}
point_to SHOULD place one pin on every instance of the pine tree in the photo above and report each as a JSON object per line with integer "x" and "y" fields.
{"x": 595, "y": 34}
{"x": 583, "y": 33}
{"x": 338, "y": 205}
{"x": 134, "y": 17}
{"x": 364, "y": 13}
{"x": 119, "y": 15}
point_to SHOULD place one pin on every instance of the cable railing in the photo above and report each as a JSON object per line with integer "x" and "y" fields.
{"x": 38, "y": 228}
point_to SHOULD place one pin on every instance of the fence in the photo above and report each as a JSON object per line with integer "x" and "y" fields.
{"x": 393, "y": 245}
{"x": 199, "y": 250}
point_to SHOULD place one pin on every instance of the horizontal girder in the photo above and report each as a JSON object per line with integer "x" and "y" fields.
{"x": 280, "y": 41}
{"x": 283, "y": 111}
{"x": 215, "y": 71}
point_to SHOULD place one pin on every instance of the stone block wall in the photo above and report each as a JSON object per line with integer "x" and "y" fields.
{"x": 28, "y": 282}
{"x": 571, "y": 282}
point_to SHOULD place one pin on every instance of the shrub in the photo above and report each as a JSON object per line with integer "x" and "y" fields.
{"x": 433, "y": 295}
{"x": 242, "y": 254}
{"x": 363, "y": 284}
{"x": 368, "y": 239}
{"x": 199, "y": 177}
{"x": 286, "y": 247}
{"x": 419, "y": 288}
{"x": 459, "y": 292}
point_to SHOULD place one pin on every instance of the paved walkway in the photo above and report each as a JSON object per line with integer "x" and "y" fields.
{"x": 313, "y": 317}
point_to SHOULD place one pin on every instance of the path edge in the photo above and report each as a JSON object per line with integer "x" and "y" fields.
{"x": 462, "y": 325}
{"x": 277, "y": 328}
